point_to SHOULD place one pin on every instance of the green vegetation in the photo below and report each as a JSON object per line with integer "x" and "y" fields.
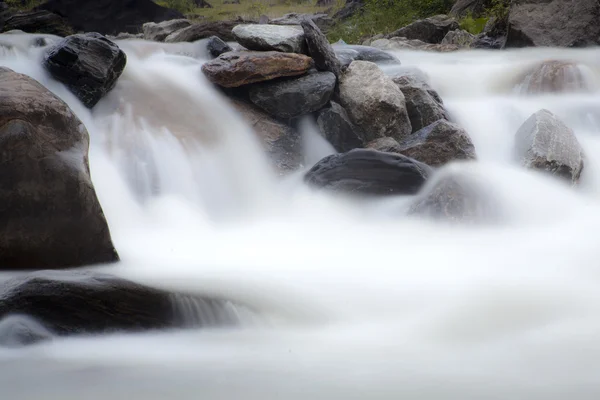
{"x": 23, "y": 5}
{"x": 473, "y": 25}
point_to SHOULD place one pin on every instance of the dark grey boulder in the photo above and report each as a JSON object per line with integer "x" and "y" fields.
{"x": 385, "y": 144}
{"x": 159, "y": 31}
{"x": 38, "y": 22}
{"x": 438, "y": 144}
{"x": 88, "y": 64}
{"x": 545, "y": 143}
{"x": 368, "y": 172}
{"x": 203, "y": 30}
{"x": 289, "y": 98}
{"x": 348, "y": 53}
{"x": 428, "y": 30}
{"x": 76, "y": 303}
{"x": 483, "y": 41}
{"x": 474, "y": 8}
{"x": 554, "y": 23}
{"x": 320, "y": 49}
{"x": 216, "y": 46}
{"x": 335, "y": 126}
{"x": 423, "y": 104}
{"x": 21, "y": 330}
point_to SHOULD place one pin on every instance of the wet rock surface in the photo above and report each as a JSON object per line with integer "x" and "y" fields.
{"x": 222, "y": 29}
{"x": 264, "y": 37}
{"x": 38, "y": 22}
{"x": 335, "y": 126}
{"x": 554, "y": 76}
{"x": 50, "y": 215}
{"x": 88, "y": 64}
{"x": 545, "y": 143}
{"x": 292, "y": 97}
{"x": 159, "y": 31}
{"x": 235, "y": 69}
{"x": 423, "y": 104}
{"x": 319, "y": 49}
{"x": 348, "y": 53}
{"x": 368, "y": 172}
{"x": 216, "y": 46}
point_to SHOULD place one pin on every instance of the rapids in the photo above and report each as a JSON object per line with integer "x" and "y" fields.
{"x": 357, "y": 301}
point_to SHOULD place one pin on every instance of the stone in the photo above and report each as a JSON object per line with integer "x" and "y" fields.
{"x": 38, "y": 22}
{"x": 323, "y": 21}
{"x": 368, "y": 172}
{"x": 265, "y": 37}
{"x": 109, "y": 17}
{"x": 545, "y": 143}
{"x": 320, "y": 49}
{"x": 50, "y": 215}
{"x": 290, "y": 98}
{"x": 222, "y": 29}
{"x": 158, "y": 32}
{"x": 335, "y": 126}
{"x": 460, "y": 38}
{"x": 402, "y": 43}
{"x": 429, "y": 30}
{"x": 475, "y": 8}
{"x": 423, "y": 104}
{"x": 483, "y": 41}
{"x": 348, "y": 53}
{"x": 459, "y": 197}
{"x": 88, "y": 64}
{"x": 374, "y": 102}
{"x": 216, "y": 46}
{"x": 352, "y": 7}
{"x": 553, "y": 76}
{"x": 281, "y": 142}
{"x": 21, "y": 330}
{"x": 202, "y": 4}
{"x": 125, "y": 36}
{"x": 553, "y": 23}
{"x": 324, "y": 3}
{"x": 438, "y": 144}
{"x": 385, "y": 144}
{"x": 235, "y": 69}
{"x": 84, "y": 303}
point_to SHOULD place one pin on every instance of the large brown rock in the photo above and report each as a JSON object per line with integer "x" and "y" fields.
{"x": 50, "y": 215}
{"x": 545, "y": 143}
{"x": 222, "y": 29}
{"x": 235, "y": 69}
{"x": 374, "y": 102}
{"x": 555, "y": 23}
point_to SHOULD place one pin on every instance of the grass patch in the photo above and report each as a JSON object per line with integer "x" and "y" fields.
{"x": 473, "y": 25}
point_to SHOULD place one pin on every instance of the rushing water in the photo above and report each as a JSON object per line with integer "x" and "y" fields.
{"x": 359, "y": 301}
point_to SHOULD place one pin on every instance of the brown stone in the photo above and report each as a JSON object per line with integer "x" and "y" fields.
{"x": 554, "y": 76}
{"x": 235, "y": 69}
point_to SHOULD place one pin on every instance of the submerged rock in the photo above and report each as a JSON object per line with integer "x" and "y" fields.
{"x": 423, "y": 104}
{"x": 374, "y": 102}
{"x": 557, "y": 23}
{"x": 76, "y": 303}
{"x": 88, "y": 64}
{"x": 222, "y": 29}
{"x": 438, "y": 144}
{"x": 555, "y": 76}
{"x": 335, "y": 126}
{"x": 159, "y": 31}
{"x": 38, "y": 22}
{"x": 348, "y": 53}
{"x": 290, "y": 98}
{"x": 264, "y": 37}
{"x": 50, "y": 215}
{"x": 216, "y": 46}
{"x": 280, "y": 141}
{"x": 429, "y": 30}
{"x": 545, "y": 143}
{"x": 368, "y": 172}
{"x": 319, "y": 49}
{"x": 235, "y": 69}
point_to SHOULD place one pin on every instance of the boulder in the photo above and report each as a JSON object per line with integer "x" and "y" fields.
{"x": 50, "y": 215}
{"x": 348, "y": 53}
{"x": 323, "y": 21}
{"x": 222, "y": 29}
{"x": 202, "y": 4}
{"x": 460, "y": 38}
{"x": 402, "y": 43}
{"x": 88, "y": 64}
{"x": 368, "y": 172}
{"x": 109, "y": 17}
{"x": 282, "y": 143}
{"x": 216, "y": 46}
{"x": 319, "y": 49}
{"x": 335, "y": 126}
{"x": 553, "y": 76}
{"x": 475, "y": 8}
{"x": 438, "y": 144}
{"x": 76, "y": 303}
{"x": 235, "y": 69}
{"x": 288, "y": 39}
{"x": 456, "y": 196}
{"x": 374, "y": 102}
{"x": 385, "y": 144}
{"x": 429, "y": 30}
{"x": 290, "y": 98}
{"x": 483, "y": 41}
{"x": 423, "y": 104}
{"x": 21, "y": 330}
{"x": 545, "y": 143}
{"x": 553, "y": 23}
{"x": 158, "y": 32}
{"x": 38, "y": 22}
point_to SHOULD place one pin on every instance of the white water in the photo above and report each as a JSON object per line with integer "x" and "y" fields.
{"x": 361, "y": 302}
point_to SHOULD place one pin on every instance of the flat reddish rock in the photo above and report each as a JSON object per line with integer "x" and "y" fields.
{"x": 235, "y": 69}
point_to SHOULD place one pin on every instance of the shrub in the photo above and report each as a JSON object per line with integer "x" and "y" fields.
{"x": 473, "y": 25}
